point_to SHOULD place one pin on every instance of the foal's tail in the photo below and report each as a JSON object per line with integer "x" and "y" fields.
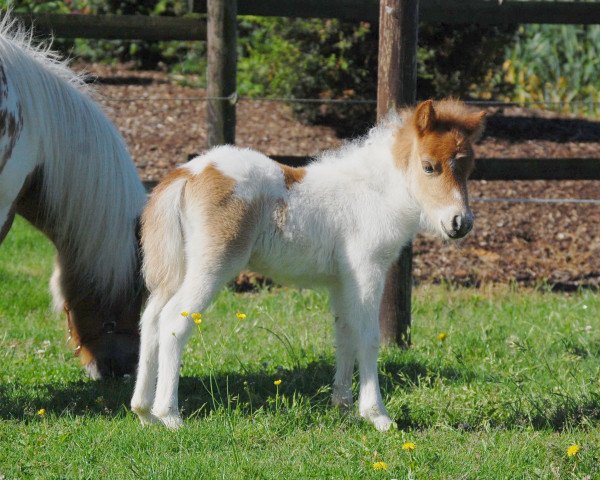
{"x": 162, "y": 236}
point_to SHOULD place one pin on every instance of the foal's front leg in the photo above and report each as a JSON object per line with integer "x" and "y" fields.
{"x": 370, "y": 403}
{"x": 361, "y": 309}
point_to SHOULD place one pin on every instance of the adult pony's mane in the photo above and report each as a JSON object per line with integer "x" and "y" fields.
{"x": 90, "y": 186}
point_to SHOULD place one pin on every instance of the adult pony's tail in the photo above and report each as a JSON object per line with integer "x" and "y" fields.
{"x": 162, "y": 236}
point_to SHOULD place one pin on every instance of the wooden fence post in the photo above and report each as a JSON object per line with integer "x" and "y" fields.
{"x": 396, "y": 87}
{"x": 221, "y": 71}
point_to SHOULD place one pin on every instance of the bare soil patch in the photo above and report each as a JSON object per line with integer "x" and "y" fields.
{"x": 164, "y": 123}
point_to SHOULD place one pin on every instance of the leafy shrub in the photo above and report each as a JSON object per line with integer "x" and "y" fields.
{"x": 145, "y": 54}
{"x": 309, "y": 59}
{"x": 334, "y": 59}
{"x": 556, "y": 63}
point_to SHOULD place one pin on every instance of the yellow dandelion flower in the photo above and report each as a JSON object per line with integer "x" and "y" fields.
{"x": 240, "y": 316}
{"x": 408, "y": 446}
{"x": 442, "y": 336}
{"x": 573, "y": 450}
{"x": 380, "y": 466}
{"x": 197, "y": 317}
{"x": 41, "y": 412}
{"x": 277, "y": 382}
{"x": 185, "y": 313}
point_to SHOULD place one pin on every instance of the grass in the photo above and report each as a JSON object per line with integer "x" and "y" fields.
{"x": 513, "y": 385}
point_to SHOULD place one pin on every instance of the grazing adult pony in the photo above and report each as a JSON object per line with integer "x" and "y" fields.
{"x": 339, "y": 223}
{"x": 65, "y": 168}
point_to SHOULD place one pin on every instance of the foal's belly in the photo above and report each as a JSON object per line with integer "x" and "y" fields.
{"x": 293, "y": 264}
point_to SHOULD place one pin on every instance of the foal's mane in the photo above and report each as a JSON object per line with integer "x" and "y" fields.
{"x": 91, "y": 190}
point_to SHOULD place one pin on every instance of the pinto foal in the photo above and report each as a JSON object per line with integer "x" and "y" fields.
{"x": 339, "y": 223}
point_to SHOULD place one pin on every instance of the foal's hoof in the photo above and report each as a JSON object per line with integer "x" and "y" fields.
{"x": 342, "y": 400}
{"x": 382, "y": 423}
{"x": 146, "y": 418}
{"x": 380, "y": 420}
{"x": 171, "y": 421}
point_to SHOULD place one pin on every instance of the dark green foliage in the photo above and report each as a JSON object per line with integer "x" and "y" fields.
{"x": 146, "y": 54}
{"x": 311, "y": 59}
{"x": 333, "y": 59}
{"x": 461, "y": 61}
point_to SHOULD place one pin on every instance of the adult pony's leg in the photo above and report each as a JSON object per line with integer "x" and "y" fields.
{"x": 145, "y": 385}
{"x": 345, "y": 352}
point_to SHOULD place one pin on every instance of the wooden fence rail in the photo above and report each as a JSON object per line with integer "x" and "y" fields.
{"x": 121, "y": 27}
{"x": 453, "y": 12}
{"x": 431, "y": 11}
{"x": 511, "y": 168}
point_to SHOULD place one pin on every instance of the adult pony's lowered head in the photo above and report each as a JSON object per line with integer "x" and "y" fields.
{"x": 338, "y": 223}
{"x": 65, "y": 168}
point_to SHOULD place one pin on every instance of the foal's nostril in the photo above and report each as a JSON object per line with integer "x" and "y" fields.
{"x": 457, "y": 223}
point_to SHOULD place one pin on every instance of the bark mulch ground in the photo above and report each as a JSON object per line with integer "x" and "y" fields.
{"x": 531, "y": 244}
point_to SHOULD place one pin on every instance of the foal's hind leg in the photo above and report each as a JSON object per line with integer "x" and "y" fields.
{"x": 345, "y": 353}
{"x": 143, "y": 395}
{"x": 195, "y": 294}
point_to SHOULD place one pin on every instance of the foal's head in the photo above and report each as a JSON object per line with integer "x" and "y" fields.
{"x": 434, "y": 148}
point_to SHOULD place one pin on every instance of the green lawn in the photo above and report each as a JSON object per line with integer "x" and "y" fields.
{"x": 513, "y": 385}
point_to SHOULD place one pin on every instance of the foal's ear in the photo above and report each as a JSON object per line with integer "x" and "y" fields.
{"x": 474, "y": 125}
{"x": 425, "y": 116}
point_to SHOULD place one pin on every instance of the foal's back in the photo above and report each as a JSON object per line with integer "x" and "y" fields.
{"x": 210, "y": 212}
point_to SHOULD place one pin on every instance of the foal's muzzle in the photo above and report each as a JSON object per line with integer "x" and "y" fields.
{"x": 460, "y": 225}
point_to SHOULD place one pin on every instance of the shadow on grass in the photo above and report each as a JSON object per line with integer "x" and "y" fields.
{"x": 200, "y": 395}
{"x": 252, "y": 391}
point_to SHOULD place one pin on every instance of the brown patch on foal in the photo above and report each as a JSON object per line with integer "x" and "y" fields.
{"x": 228, "y": 218}
{"x": 442, "y": 130}
{"x": 292, "y": 175}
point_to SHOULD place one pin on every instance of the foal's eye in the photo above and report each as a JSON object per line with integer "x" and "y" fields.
{"x": 428, "y": 168}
